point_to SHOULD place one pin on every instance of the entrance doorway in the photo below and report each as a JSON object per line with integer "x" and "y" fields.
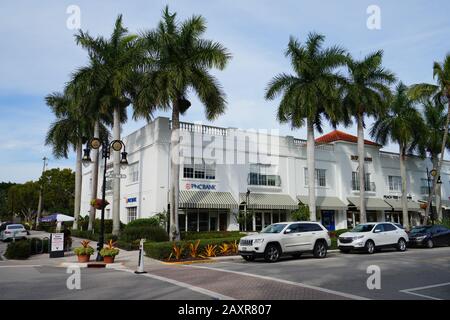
{"x": 328, "y": 219}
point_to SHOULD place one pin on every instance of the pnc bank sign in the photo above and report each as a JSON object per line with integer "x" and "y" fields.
{"x": 200, "y": 186}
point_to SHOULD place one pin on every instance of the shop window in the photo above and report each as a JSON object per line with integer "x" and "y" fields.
{"x": 203, "y": 221}
{"x": 182, "y": 222}
{"x": 131, "y": 214}
{"x": 192, "y": 221}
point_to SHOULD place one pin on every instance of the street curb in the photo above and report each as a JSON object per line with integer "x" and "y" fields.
{"x": 94, "y": 265}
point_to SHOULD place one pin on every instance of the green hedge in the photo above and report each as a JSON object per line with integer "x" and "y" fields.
{"x": 150, "y": 233}
{"x": 144, "y": 222}
{"x": 193, "y": 235}
{"x": 162, "y": 250}
{"x": 18, "y": 250}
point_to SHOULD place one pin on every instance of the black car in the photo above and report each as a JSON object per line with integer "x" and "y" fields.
{"x": 429, "y": 236}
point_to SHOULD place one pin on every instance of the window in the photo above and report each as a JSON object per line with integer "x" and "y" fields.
{"x": 263, "y": 175}
{"x": 131, "y": 214}
{"x": 389, "y": 227}
{"x": 355, "y": 182}
{"x": 395, "y": 183}
{"x": 320, "y": 177}
{"x": 133, "y": 172}
{"x": 424, "y": 186}
{"x": 199, "y": 169}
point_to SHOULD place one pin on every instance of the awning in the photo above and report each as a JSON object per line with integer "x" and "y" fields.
{"x": 371, "y": 203}
{"x": 56, "y": 217}
{"x": 206, "y": 200}
{"x": 324, "y": 202}
{"x": 269, "y": 201}
{"x": 397, "y": 204}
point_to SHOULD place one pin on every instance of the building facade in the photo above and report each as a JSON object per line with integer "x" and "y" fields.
{"x": 248, "y": 179}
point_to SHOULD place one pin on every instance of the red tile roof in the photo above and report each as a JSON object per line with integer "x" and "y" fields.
{"x": 337, "y": 135}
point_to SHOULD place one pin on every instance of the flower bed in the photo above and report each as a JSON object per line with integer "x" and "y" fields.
{"x": 189, "y": 250}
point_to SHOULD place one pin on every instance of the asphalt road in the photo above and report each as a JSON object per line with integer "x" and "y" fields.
{"x": 415, "y": 274}
{"x": 44, "y": 282}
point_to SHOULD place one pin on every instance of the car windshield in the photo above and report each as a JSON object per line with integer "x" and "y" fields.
{"x": 274, "y": 228}
{"x": 363, "y": 228}
{"x": 420, "y": 229}
{"x": 15, "y": 226}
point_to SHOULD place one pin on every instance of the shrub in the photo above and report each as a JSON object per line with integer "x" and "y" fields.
{"x": 445, "y": 222}
{"x": 193, "y": 235}
{"x": 301, "y": 214}
{"x": 150, "y": 233}
{"x": 38, "y": 246}
{"x": 18, "y": 250}
{"x": 144, "y": 222}
{"x": 163, "y": 250}
{"x": 85, "y": 249}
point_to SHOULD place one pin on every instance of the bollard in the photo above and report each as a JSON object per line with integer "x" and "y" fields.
{"x": 140, "y": 268}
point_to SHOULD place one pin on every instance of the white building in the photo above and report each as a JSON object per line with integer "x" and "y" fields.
{"x": 219, "y": 165}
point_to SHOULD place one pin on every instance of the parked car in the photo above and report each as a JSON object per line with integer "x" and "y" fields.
{"x": 429, "y": 236}
{"x": 9, "y": 231}
{"x": 286, "y": 238}
{"x": 373, "y": 236}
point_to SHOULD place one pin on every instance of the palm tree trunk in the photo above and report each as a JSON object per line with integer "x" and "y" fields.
{"x": 94, "y": 176}
{"x": 403, "y": 177}
{"x": 310, "y": 145}
{"x": 362, "y": 190}
{"x": 174, "y": 172}
{"x": 441, "y": 159}
{"x": 434, "y": 161}
{"x": 116, "y": 168}
{"x": 77, "y": 205}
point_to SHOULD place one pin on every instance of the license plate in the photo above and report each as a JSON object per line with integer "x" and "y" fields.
{"x": 244, "y": 248}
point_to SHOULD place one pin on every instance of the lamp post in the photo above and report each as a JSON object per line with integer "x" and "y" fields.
{"x": 433, "y": 173}
{"x": 115, "y": 145}
{"x": 247, "y": 200}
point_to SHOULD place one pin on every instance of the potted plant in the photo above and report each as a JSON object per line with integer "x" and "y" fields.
{"x": 84, "y": 252}
{"x": 99, "y": 204}
{"x": 109, "y": 252}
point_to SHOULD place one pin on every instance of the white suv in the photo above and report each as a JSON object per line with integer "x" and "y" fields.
{"x": 291, "y": 238}
{"x": 372, "y": 236}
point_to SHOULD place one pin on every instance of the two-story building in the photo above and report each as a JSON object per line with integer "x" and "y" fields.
{"x": 228, "y": 171}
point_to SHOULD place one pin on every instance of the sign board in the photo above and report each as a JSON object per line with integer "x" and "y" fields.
{"x": 131, "y": 200}
{"x": 113, "y": 175}
{"x": 56, "y": 245}
{"x": 200, "y": 186}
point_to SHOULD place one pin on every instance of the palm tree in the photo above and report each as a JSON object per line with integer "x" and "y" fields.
{"x": 401, "y": 124}
{"x": 116, "y": 60}
{"x": 308, "y": 94}
{"x": 68, "y": 130}
{"x": 366, "y": 93}
{"x": 178, "y": 60}
{"x": 440, "y": 93}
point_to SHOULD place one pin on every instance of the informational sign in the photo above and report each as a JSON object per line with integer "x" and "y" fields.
{"x": 200, "y": 186}
{"x": 56, "y": 245}
{"x": 131, "y": 200}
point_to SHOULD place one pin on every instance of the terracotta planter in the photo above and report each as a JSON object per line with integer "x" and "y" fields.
{"x": 108, "y": 259}
{"x": 84, "y": 258}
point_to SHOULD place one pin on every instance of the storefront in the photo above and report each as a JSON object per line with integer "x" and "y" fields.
{"x": 264, "y": 209}
{"x": 205, "y": 210}
{"x": 396, "y": 213}
{"x": 328, "y": 209}
{"x": 375, "y": 208}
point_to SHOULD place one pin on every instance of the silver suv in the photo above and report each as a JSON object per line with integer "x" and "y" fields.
{"x": 289, "y": 238}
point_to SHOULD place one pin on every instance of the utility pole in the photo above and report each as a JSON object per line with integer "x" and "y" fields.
{"x": 41, "y": 192}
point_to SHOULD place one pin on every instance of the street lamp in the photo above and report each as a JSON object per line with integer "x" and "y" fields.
{"x": 433, "y": 173}
{"x": 115, "y": 145}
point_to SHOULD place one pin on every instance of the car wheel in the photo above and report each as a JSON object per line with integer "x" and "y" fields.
{"x": 297, "y": 255}
{"x": 345, "y": 250}
{"x": 401, "y": 245}
{"x": 430, "y": 244}
{"x": 370, "y": 247}
{"x": 320, "y": 250}
{"x": 272, "y": 253}
{"x": 248, "y": 258}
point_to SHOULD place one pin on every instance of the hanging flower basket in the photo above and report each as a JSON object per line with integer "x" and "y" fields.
{"x": 423, "y": 206}
{"x": 99, "y": 204}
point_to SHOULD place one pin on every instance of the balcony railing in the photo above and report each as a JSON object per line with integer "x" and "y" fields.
{"x": 201, "y": 128}
{"x": 324, "y": 147}
{"x": 369, "y": 186}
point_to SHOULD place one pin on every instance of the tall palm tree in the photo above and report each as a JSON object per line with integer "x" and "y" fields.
{"x": 68, "y": 130}
{"x": 179, "y": 60}
{"x": 308, "y": 94}
{"x": 116, "y": 60}
{"x": 366, "y": 93}
{"x": 401, "y": 124}
{"x": 440, "y": 93}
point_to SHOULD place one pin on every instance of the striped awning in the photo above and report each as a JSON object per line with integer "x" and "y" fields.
{"x": 206, "y": 200}
{"x": 371, "y": 203}
{"x": 269, "y": 201}
{"x": 327, "y": 203}
{"x": 397, "y": 204}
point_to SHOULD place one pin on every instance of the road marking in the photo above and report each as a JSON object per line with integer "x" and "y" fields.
{"x": 22, "y": 266}
{"x": 181, "y": 284}
{"x": 298, "y": 284}
{"x": 409, "y": 291}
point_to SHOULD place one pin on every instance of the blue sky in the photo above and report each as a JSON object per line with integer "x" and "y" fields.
{"x": 38, "y": 53}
